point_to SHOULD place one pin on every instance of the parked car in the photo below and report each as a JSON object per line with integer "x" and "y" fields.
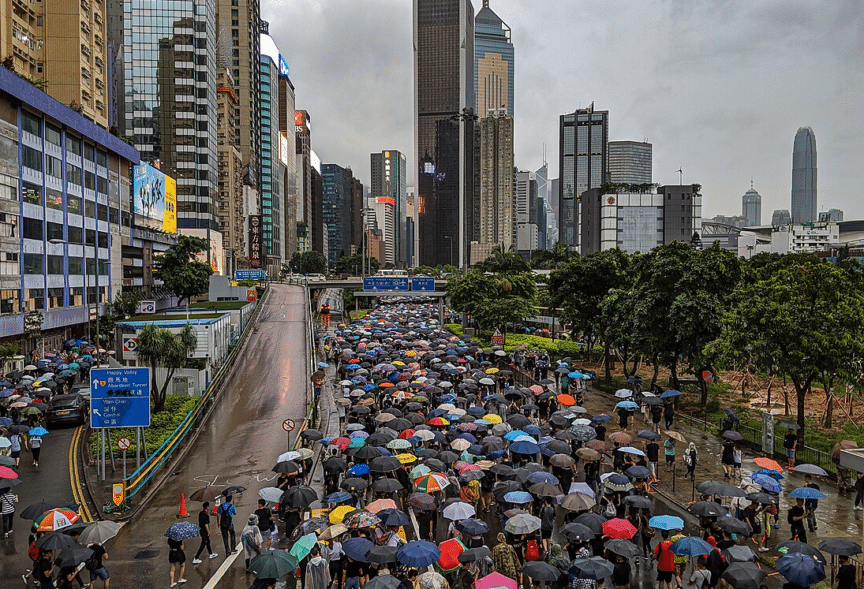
{"x": 71, "y": 408}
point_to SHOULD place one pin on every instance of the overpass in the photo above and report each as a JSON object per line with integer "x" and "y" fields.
{"x": 355, "y": 282}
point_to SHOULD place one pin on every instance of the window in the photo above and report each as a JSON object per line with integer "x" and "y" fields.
{"x": 36, "y": 296}
{"x": 33, "y": 265}
{"x": 55, "y": 264}
{"x": 73, "y": 174}
{"x": 76, "y": 268}
{"x": 55, "y": 231}
{"x": 101, "y": 158}
{"x": 73, "y": 145}
{"x": 90, "y": 180}
{"x": 102, "y": 185}
{"x": 103, "y": 212}
{"x": 53, "y": 167}
{"x": 89, "y": 152}
{"x": 32, "y": 228}
{"x": 89, "y": 209}
{"x": 73, "y": 204}
{"x": 52, "y": 134}
{"x": 31, "y": 193}
{"x": 89, "y": 237}
{"x": 103, "y": 240}
{"x": 31, "y": 123}
{"x": 55, "y": 298}
{"x": 54, "y": 199}
{"x": 75, "y": 234}
{"x": 31, "y": 158}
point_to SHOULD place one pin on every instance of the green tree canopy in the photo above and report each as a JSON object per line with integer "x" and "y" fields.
{"x": 353, "y": 265}
{"x": 160, "y": 348}
{"x": 493, "y": 301}
{"x": 559, "y": 255}
{"x": 504, "y": 260}
{"x": 181, "y": 272}
{"x": 308, "y": 263}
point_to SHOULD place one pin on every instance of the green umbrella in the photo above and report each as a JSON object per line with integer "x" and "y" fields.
{"x": 272, "y": 564}
{"x": 303, "y": 546}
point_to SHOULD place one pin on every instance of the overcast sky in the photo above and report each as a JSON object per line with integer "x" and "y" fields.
{"x": 719, "y": 87}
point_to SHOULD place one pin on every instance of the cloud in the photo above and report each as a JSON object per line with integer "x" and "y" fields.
{"x": 718, "y": 86}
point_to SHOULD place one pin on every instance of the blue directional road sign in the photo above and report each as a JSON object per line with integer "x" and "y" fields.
{"x": 249, "y": 274}
{"x": 119, "y": 397}
{"x": 422, "y": 283}
{"x": 384, "y": 283}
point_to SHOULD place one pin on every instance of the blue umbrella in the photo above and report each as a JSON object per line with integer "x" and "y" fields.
{"x": 770, "y": 473}
{"x": 647, "y": 434}
{"x": 670, "y": 393}
{"x": 666, "y": 522}
{"x": 7, "y": 393}
{"x": 631, "y": 450}
{"x": 801, "y": 569}
{"x": 38, "y": 431}
{"x": 602, "y": 418}
{"x": 418, "y": 553}
{"x": 626, "y": 405}
{"x": 337, "y": 497}
{"x": 518, "y": 497}
{"x": 5, "y": 422}
{"x": 512, "y": 435}
{"x": 524, "y": 447}
{"x": 359, "y": 470}
{"x": 691, "y": 546}
{"x": 532, "y": 429}
{"x": 576, "y": 375}
{"x": 799, "y": 493}
{"x": 638, "y": 472}
{"x": 182, "y": 531}
{"x": 542, "y": 477}
{"x": 731, "y": 414}
{"x": 356, "y": 548}
{"x": 323, "y": 365}
{"x": 467, "y": 436}
{"x": 766, "y": 483}
{"x": 472, "y": 526}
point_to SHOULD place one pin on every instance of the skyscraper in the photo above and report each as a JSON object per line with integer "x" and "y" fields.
{"x": 166, "y": 92}
{"x": 630, "y": 162}
{"x": 338, "y": 195}
{"x": 305, "y": 226}
{"x": 582, "y": 159}
{"x": 781, "y": 217}
{"x": 496, "y": 213}
{"x": 751, "y": 207}
{"x": 443, "y": 128}
{"x": 804, "y": 176}
{"x": 272, "y": 167}
{"x": 493, "y": 62}
{"x": 389, "y": 179}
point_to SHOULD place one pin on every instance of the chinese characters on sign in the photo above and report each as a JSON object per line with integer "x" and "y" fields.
{"x": 120, "y": 397}
{"x": 255, "y": 225}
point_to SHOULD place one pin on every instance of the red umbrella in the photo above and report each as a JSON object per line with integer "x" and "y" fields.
{"x": 596, "y": 445}
{"x": 450, "y": 551}
{"x": 7, "y": 473}
{"x": 405, "y": 434}
{"x": 341, "y": 442}
{"x": 619, "y": 529}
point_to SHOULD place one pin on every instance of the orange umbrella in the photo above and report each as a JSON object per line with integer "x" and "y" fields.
{"x": 768, "y": 464}
{"x": 380, "y": 504}
{"x": 566, "y": 400}
{"x": 386, "y": 385}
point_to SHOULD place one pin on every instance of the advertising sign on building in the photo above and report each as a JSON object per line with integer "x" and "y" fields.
{"x": 130, "y": 346}
{"x": 255, "y": 249}
{"x": 154, "y": 197}
{"x": 146, "y": 307}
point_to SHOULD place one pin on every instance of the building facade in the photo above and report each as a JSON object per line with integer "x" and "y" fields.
{"x": 496, "y": 220}
{"x": 804, "y": 196}
{"x": 288, "y": 158}
{"x": 230, "y": 210}
{"x": 389, "y": 179}
{"x": 582, "y": 158}
{"x": 525, "y": 205}
{"x": 272, "y": 168}
{"x": 781, "y": 217}
{"x": 338, "y": 195}
{"x": 493, "y": 63}
{"x": 630, "y": 162}
{"x": 443, "y": 128}
{"x": 751, "y": 207}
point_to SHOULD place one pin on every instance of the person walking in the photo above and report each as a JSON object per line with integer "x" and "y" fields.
{"x": 810, "y": 505}
{"x": 727, "y": 457}
{"x": 790, "y": 443}
{"x": 795, "y": 518}
{"x": 656, "y": 416}
{"x": 668, "y": 414}
{"x": 665, "y": 562}
{"x": 669, "y": 452}
{"x": 859, "y": 491}
{"x": 691, "y": 457}
{"x": 846, "y": 574}
{"x": 176, "y": 556}
{"x": 226, "y": 513}
{"x": 35, "y": 445}
{"x": 204, "y": 525}
{"x": 252, "y": 540}
{"x": 317, "y": 571}
{"x": 652, "y": 452}
{"x": 15, "y": 448}
{"x": 318, "y": 378}
{"x": 96, "y": 567}
{"x": 7, "y": 509}
{"x": 265, "y": 523}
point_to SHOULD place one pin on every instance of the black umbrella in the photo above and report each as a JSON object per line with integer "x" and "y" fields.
{"x": 474, "y": 554}
{"x": 624, "y": 548}
{"x": 592, "y": 567}
{"x": 541, "y": 571}
{"x": 639, "y": 502}
{"x": 387, "y": 486}
{"x": 382, "y": 554}
{"x": 504, "y": 487}
{"x": 578, "y": 532}
{"x": 518, "y": 420}
{"x": 385, "y": 464}
{"x": 312, "y": 434}
{"x": 335, "y": 465}
{"x": 367, "y": 453}
{"x": 354, "y": 484}
{"x": 707, "y": 509}
{"x": 32, "y": 512}
{"x": 70, "y": 557}
{"x": 233, "y": 490}
{"x": 501, "y": 469}
{"x": 761, "y": 498}
{"x": 383, "y": 582}
{"x": 592, "y": 521}
{"x": 734, "y": 526}
{"x": 725, "y": 490}
{"x": 839, "y": 547}
{"x": 744, "y": 575}
{"x": 394, "y": 517}
{"x": 299, "y": 496}
{"x": 55, "y": 541}
{"x": 472, "y": 526}
{"x": 286, "y": 466}
{"x": 379, "y": 439}
{"x": 436, "y": 465}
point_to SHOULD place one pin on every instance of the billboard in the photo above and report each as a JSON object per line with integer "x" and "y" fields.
{"x": 255, "y": 250}
{"x": 154, "y": 197}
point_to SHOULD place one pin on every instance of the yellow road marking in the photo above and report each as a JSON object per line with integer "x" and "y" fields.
{"x": 77, "y": 493}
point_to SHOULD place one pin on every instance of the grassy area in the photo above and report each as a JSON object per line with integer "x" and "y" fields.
{"x": 162, "y": 425}
{"x": 555, "y": 348}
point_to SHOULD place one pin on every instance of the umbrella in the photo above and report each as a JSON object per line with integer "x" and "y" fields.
{"x": 619, "y": 528}
{"x": 182, "y": 531}
{"x": 423, "y": 501}
{"x": 431, "y": 580}
{"x": 579, "y": 532}
{"x": 98, "y": 532}
{"x": 800, "y": 569}
{"x": 524, "y": 447}
{"x": 707, "y": 509}
{"x": 72, "y": 557}
{"x": 354, "y": 484}
{"x": 541, "y": 571}
{"x": 458, "y": 511}
{"x": 474, "y": 554}
{"x": 362, "y": 519}
{"x": 337, "y": 515}
{"x": 670, "y": 393}
{"x": 494, "y": 581}
{"x": 839, "y": 547}
{"x": 768, "y": 464}
{"x": 32, "y": 512}
{"x": 272, "y": 494}
{"x": 544, "y": 490}
{"x": 518, "y": 497}
{"x": 592, "y": 521}
{"x": 593, "y": 567}
{"x": 807, "y": 493}
{"x": 744, "y": 575}
{"x": 472, "y": 526}
{"x": 337, "y": 497}
{"x": 624, "y": 548}
{"x": 631, "y": 450}
{"x": 432, "y": 482}
{"x": 522, "y": 523}
{"x": 7, "y": 473}
{"x": 690, "y": 546}
{"x": 308, "y": 526}
{"x": 386, "y": 485}
{"x": 733, "y": 435}
{"x": 418, "y": 553}
{"x": 54, "y": 519}
{"x": 788, "y": 424}
{"x": 623, "y": 393}
{"x": 56, "y": 541}
{"x": 639, "y": 502}
{"x": 739, "y": 554}
{"x": 335, "y": 465}
{"x": 233, "y": 490}
{"x": 577, "y": 502}
{"x": 380, "y": 505}
{"x": 725, "y": 490}
{"x": 381, "y": 554}
{"x": 299, "y": 496}
{"x": 793, "y": 546}
{"x": 333, "y": 532}
{"x": 637, "y": 472}
{"x": 810, "y": 469}
{"x": 676, "y": 436}
{"x": 303, "y": 546}
{"x": 394, "y": 517}
{"x": 766, "y": 483}
{"x": 666, "y": 522}
{"x": 38, "y": 431}
{"x": 734, "y": 526}
{"x": 356, "y": 548}
{"x": 272, "y": 564}
{"x": 620, "y": 437}
{"x": 383, "y": 582}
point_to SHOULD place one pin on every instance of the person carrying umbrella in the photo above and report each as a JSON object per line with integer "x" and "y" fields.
{"x": 251, "y": 539}
{"x": 846, "y": 574}
{"x": 621, "y": 573}
{"x": 811, "y": 504}
{"x": 96, "y": 567}
{"x": 795, "y": 516}
{"x": 669, "y": 452}
{"x": 43, "y": 570}
{"x": 176, "y": 556}
{"x": 35, "y": 445}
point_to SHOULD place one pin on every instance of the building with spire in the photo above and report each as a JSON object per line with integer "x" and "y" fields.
{"x": 751, "y": 207}
{"x": 493, "y": 63}
{"x": 804, "y": 176}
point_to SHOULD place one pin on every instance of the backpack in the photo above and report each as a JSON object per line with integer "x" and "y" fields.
{"x": 92, "y": 563}
{"x": 789, "y": 519}
{"x": 224, "y": 517}
{"x": 532, "y": 552}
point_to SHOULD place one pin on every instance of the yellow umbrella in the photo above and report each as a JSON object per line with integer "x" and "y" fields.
{"x": 397, "y": 363}
{"x": 338, "y": 514}
{"x": 410, "y": 353}
{"x": 406, "y": 458}
{"x": 493, "y": 418}
{"x": 491, "y": 371}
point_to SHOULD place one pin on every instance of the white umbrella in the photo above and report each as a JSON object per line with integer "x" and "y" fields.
{"x": 271, "y": 494}
{"x": 487, "y": 381}
{"x": 425, "y": 435}
{"x": 288, "y": 456}
{"x": 623, "y": 393}
{"x": 459, "y": 510}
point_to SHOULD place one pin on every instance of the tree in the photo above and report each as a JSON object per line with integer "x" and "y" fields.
{"x": 124, "y": 305}
{"x": 504, "y": 261}
{"x": 7, "y": 350}
{"x": 805, "y": 320}
{"x": 181, "y": 272}
{"x": 559, "y": 255}
{"x": 353, "y": 265}
{"x": 308, "y": 263}
{"x": 160, "y": 348}
{"x": 493, "y": 301}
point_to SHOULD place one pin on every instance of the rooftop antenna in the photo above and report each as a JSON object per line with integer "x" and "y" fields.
{"x": 680, "y": 171}
{"x": 751, "y": 181}
{"x": 544, "y": 154}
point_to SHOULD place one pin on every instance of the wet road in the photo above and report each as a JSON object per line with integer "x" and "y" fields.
{"x": 238, "y": 446}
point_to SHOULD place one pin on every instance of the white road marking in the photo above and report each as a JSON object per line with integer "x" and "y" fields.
{"x": 226, "y": 564}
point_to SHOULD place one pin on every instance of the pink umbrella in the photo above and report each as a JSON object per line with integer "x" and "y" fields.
{"x": 494, "y": 581}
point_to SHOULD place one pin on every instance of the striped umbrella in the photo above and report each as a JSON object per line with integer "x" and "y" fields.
{"x": 55, "y": 519}
{"x": 432, "y": 482}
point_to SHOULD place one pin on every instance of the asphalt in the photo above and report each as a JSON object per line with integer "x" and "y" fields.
{"x": 238, "y": 446}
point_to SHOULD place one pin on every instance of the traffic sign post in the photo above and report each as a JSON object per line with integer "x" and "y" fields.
{"x": 422, "y": 283}
{"x": 123, "y": 444}
{"x": 385, "y": 283}
{"x": 119, "y": 397}
{"x": 288, "y": 425}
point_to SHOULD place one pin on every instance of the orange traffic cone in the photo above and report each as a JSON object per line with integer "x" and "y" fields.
{"x": 183, "y": 511}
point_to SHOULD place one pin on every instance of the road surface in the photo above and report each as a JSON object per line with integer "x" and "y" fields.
{"x": 238, "y": 446}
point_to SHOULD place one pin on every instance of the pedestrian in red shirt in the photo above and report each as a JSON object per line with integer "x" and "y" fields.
{"x": 665, "y": 561}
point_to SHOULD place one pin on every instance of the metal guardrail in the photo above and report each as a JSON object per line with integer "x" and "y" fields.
{"x": 140, "y": 476}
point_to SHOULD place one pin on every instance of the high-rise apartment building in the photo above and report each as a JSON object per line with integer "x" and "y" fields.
{"x": 582, "y": 159}
{"x": 303, "y": 151}
{"x": 230, "y": 210}
{"x": 804, "y": 204}
{"x": 338, "y": 215}
{"x": 238, "y": 25}
{"x": 389, "y": 179}
{"x": 630, "y": 162}
{"x": 319, "y": 231}
{"x": 61, "y": 46}
{"x": 493, "y": 63}
{"x": 288, "y": 158}
{"x": 272, "y": 168}
{"x": 525, "y": 201}
{"x": 357, "y": 198}
{"x": 166, "y": 92}
{"x": 751, "y": 207}
{"x": 382, "y": 214}
{"x": 496, "y": 223}
{"x": 443, "y": 128}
